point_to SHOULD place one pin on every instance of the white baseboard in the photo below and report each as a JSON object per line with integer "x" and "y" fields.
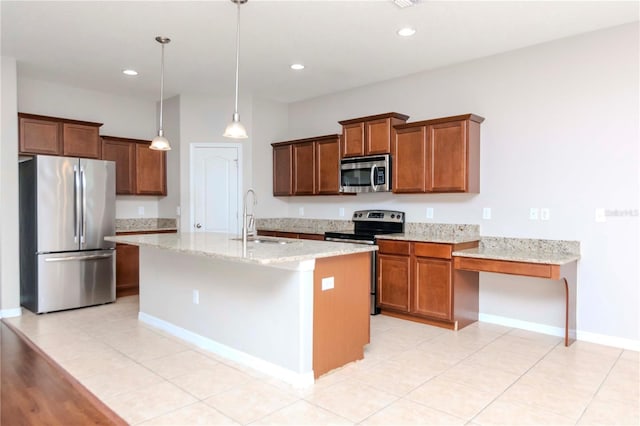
{"x": 585, "y": 336}
{"x": 9, "y": 313}
{"x": 273, "y": 370}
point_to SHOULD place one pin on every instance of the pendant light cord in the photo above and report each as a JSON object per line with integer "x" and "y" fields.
{"x": 160, "y": 131}
{"x": 237, "y": 57}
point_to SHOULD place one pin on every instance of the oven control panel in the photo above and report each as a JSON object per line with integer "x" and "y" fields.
{"x": 378, "y": 216}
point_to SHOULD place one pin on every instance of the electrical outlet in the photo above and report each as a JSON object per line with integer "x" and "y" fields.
{"x": 600, "y": 215}
{"x": 429, "y": 212}
{"x": 534, "y": 213}
{"x": 196, "y": 297}
{"x": 341, "y": 212}
{"x": 327, "y": 283}
{"x": 545, "y": 214}
{"x": 486, "y": 213}
{"x": 301, "y": 211}
{"x": 177, "y": 210}
{"x": 141, "y": 211}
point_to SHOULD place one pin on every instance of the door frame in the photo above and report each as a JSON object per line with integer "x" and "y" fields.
{"x": 192, "y": 202}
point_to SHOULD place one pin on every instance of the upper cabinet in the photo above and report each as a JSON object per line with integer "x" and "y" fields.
{"x": 441, "y": 155}
{"x": 122, "y": 151}
{"x": 139, "y": 170}
{"x": 282, "y": 170}
{"x": 58, "y": 136}
{"x": 370, "y": 135}
{"x": 308, "y": 166}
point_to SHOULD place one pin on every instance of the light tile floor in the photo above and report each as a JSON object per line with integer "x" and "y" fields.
{"x": 412, "y": 374}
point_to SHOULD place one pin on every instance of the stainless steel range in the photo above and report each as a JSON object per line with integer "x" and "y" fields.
{"x": 368, "y": 224}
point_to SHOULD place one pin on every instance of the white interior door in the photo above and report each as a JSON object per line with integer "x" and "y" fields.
{"x": 215, "y": 186}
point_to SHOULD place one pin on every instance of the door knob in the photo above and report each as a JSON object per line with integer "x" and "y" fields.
{"x": 198, "y": 226}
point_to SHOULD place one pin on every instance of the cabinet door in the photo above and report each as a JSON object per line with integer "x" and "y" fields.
{"x": 151, "y": 174}
{"x": 410, "y": 161}
{"x": 378, "y": 135}
{"x": 282, "y": 170}
{"x": 127, "y": 269}
{"x": 79, "y": 140}
{"x": 315, "y": 237}
{"x": 303, "y": 168}
{"x": 40, "y": 137}
{"x": 448, "y": 156}
{"x": 393, "y": 282}
{"x": 353, "y": 140}
{"x": 123, "y": 153}
{"x": 328, "y": 166}
{"x": 433, "y": 288}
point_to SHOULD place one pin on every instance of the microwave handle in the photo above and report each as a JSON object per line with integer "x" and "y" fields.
{"x": 373, "y": 174}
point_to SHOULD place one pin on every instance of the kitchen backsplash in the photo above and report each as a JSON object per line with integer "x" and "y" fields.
{"x": 145, "y": 224}
{"x": 444, "y": 231}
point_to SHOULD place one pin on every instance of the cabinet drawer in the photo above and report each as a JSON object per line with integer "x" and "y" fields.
{"x": 442, "y": 251}
{"x": 393, "y": 247}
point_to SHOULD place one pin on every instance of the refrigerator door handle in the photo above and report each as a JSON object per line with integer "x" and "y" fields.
{"x": 76, "y": 209}
{"x": 74, "y": 258}
{"x": 83, "y": 180}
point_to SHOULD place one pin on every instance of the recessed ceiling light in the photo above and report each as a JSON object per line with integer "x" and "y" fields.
{"x": 406, "y": 32}
{"x": 297, "y": 67}
{"x": 129, "y": 72}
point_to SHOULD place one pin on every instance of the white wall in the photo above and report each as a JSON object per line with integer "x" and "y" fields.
{"x": 122, "y": 116}
{"x": 9, "y": 222}
{"x": 203, "y": 120}
{"x": 561, "y": 132}
{"x": 270, "y": 124}
{"x": 167, "y": 205}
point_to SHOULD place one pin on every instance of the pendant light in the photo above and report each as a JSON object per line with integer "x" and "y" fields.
{"x": 235, "y": 129}
{"x": 160, "y": 143}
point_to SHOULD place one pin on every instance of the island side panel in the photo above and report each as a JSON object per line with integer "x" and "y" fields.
{"x": 341, "y": 314}
{"x": 258, "y": 310}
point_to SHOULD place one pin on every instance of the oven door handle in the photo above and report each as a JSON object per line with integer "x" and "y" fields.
{"x": 346, "y": 240}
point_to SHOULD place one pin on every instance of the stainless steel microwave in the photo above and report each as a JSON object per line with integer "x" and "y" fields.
{"x": 366, "y": 174}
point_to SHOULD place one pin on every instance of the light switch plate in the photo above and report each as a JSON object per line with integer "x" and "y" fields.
{"x": 429, "y": 212}
{"x": 600, "y": 215}
{"x": 486, "y": 213}
{"x": 534, "y": 213}
{"x": 141, "y": 211}
{"x": 327, "y": 283}
{"x": 301, "y": 211}
{"x": 341, "y": 212}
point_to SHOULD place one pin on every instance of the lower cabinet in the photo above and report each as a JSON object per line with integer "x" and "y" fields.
{"x": 127, "y": 269}
{"x": 416, "y": 281}
{"x": 296, "y": 235}
{"x": 128, "y": 265}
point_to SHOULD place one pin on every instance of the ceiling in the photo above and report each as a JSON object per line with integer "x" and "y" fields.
{"x": 343, "y": 44}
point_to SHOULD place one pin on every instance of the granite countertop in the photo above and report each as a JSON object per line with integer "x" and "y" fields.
{"x": 146, "y": 225}
{"x": 304, "y": 226}
{"x": 228, "y": 247}
{"x": 436, "y": 233}
{"x": 554, "y": 252}
{"x": 429, "y": 238}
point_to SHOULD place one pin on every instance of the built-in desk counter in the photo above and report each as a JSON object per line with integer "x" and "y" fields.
{"x": 551, "y": 259}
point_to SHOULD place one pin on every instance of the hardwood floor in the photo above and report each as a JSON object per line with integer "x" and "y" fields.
{"x": 36, "y": 391}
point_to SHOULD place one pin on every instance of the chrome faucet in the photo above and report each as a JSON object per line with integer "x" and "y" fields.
{"x": 248, "y": 219}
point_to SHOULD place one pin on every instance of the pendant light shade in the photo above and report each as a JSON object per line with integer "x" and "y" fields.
{"x": 235, "y": 129}
{"x": 160, "y": 143}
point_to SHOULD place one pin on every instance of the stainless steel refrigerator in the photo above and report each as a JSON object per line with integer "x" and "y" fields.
{"x": 67, "y": 207}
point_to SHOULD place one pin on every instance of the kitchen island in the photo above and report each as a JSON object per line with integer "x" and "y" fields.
{"x": 293, "y": 309}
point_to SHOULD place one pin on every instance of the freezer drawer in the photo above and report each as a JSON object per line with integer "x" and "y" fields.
{"x": 75, "y": 279}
